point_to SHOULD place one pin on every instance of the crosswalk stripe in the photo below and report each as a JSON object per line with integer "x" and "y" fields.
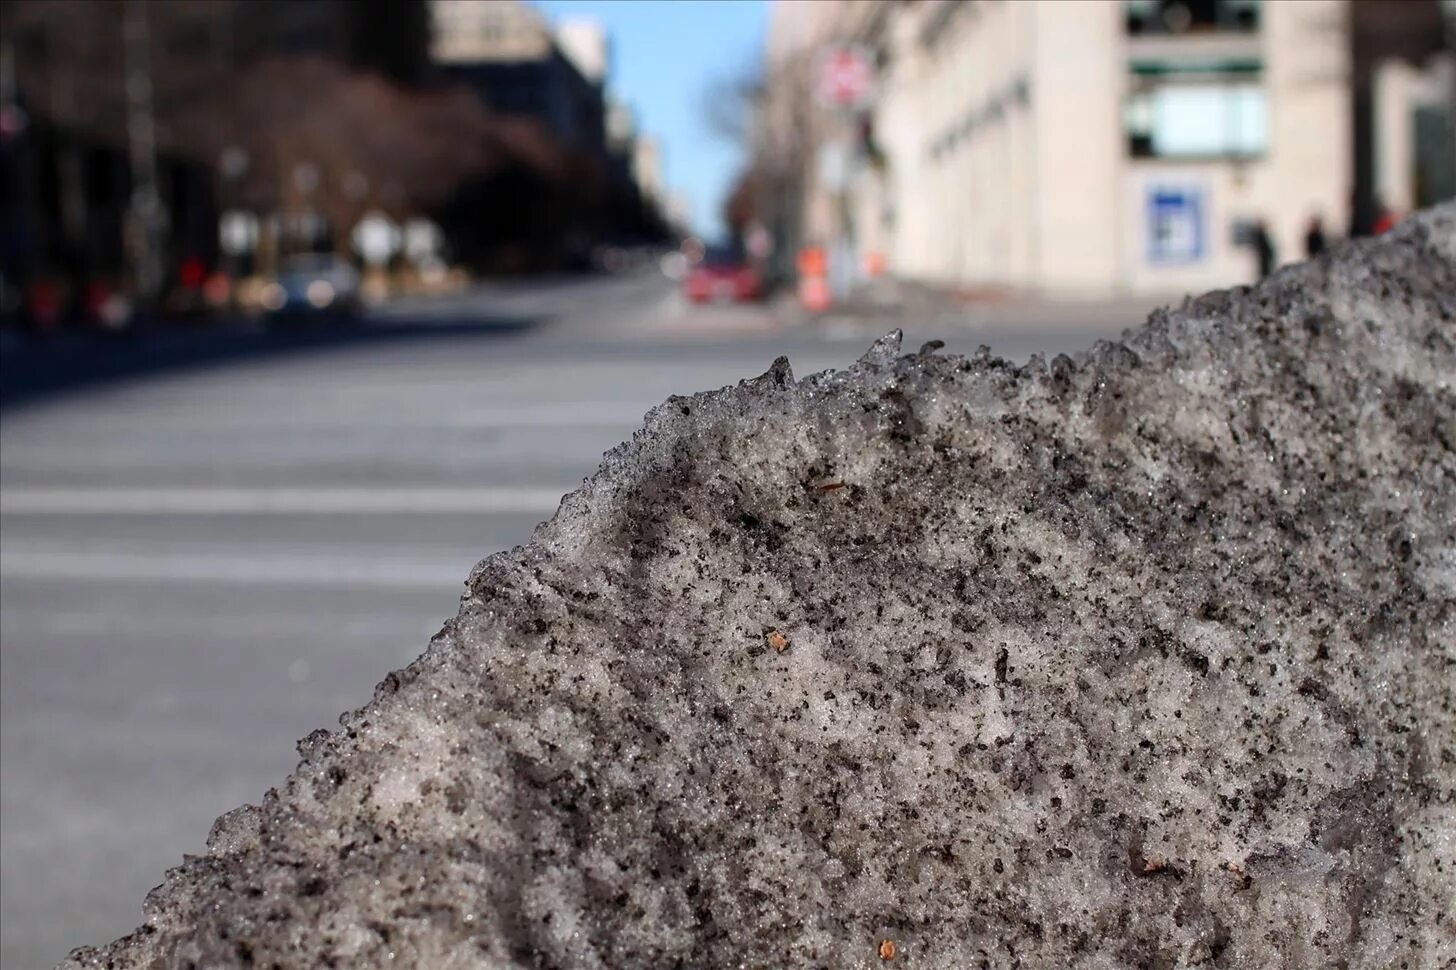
{"x": 278, "y": 501}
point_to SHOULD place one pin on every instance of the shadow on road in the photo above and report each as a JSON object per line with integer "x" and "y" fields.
{"x": 34, "y": 371}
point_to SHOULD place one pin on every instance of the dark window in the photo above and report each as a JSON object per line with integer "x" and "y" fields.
{"x": 1191, "y": 16}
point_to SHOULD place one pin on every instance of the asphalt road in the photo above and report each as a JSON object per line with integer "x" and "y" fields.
{"x": 213, "y": 543}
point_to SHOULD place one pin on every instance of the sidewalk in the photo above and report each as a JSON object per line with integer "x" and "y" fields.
{"x": 886, "y": 302}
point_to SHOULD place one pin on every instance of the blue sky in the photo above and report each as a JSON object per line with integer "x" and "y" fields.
{"x": 666, "y": 55}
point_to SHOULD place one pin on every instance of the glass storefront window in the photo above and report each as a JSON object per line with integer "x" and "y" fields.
{"x": 1215, "y": 118}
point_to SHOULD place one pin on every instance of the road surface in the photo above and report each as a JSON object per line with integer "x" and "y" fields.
{"x": 215, "y": 546}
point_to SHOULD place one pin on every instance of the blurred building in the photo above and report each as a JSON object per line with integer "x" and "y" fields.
{"x": 621, "y": 123}
{"x": 647, "y": 169}
{"x": 635, "y": 207}
{"x": 1415, "y": 162}
{"x": 1087, "y": 146}
{"x": 518, "y": 64}
{"x": 506, "y": 51}
{"x": 584, "y": 42}
{"x": 87, "y": 152}
{"x": 1402, "y": 65}
{"x": 680, "y": 213}
{"x": 639, "y": 155}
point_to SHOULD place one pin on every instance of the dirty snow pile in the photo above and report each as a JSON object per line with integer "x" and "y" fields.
{"x": 1140, "y": 659}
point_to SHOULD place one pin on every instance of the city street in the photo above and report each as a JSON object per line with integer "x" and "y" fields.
{"x": 215, "y": 546}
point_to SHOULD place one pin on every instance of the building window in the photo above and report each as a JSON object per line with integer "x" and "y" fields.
{"x": 1191, "y": 16}
{"x": 1209, "y": 120}
{"x": 1197, "y": 109}
{"x": 1435, "y": 155}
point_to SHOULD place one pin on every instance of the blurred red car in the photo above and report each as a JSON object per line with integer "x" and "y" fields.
{"x": 722, "y": 276}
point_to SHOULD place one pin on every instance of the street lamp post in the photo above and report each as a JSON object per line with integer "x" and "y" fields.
{"x": 146, "y": 203}
{"x": 845, "y": 81}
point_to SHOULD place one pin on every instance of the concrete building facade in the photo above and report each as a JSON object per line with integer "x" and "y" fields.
{"x": 585, "y": 43}
{"x": 647, "y": 169}
{"x": 470, "y": 31}
{"x": 1079, "y": 147}
{"x": 1415, "y": 157}
{"x": 508, "y": 53}
{"x": 557, "y": 78}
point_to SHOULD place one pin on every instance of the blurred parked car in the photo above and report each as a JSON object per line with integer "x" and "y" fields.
{"x": 722, "y": 276}
{"x": 43, "y": 304}
{"x": 106, "y": 305}
{"x": 184, "y": 300}
{"x": 50, "y": 305}
{"x": 312, "y": 285}
{"x": 674, "y": 266}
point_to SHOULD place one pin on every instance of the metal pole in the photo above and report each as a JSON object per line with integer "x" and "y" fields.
{"x": 842, "y": 251}
{"x": 18, "y": 202}
{"x": 146, "y": 202}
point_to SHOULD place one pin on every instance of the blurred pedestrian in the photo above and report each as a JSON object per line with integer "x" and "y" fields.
{"x": 1264, "y": 246}
{"x": 1314, "y": 237}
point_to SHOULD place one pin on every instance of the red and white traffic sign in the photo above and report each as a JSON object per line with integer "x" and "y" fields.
{"x": 846, "y": 77}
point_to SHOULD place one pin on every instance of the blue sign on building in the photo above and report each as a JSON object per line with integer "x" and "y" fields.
{"x": 1177, "y": 230}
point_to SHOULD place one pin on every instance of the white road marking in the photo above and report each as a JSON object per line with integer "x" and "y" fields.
{"x": 584, "y": 414}
{"x": 324, "y": 415}
{"x": 278, "y": 501}
{"x": 846, "y": 331}
{"x": 239, "y": 569}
